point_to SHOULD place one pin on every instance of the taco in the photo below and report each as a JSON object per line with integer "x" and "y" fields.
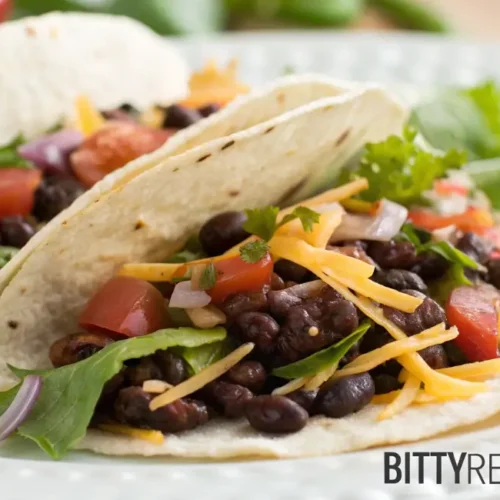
{"x": 164, "y": 308}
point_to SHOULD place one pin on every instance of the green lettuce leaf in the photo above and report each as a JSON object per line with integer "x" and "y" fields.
{"x": 69, "y": 394}
{"x": 9, "y": 157}
{"x": 441, "y": 289}
{"x": 486, "y": 177}
{"x": 198, "y": 358}
{"x": 401, "y": 170}
{"x": 324, "y": 359}
{"x": 192, "y": 251}
{"x": 6, "y": 254}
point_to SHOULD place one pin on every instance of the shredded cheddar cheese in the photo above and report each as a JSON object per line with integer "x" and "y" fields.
{"x": 405, "y": 398}
{"x": 481, "y": 370}
{"x": 293, "y": 385}
{"x": 202, "y": 378}
{"x": 320, "y": 378}
{"x": 88, "y": 119}
{"x": 155, "y": 437}
{"x": 156, "y": 386}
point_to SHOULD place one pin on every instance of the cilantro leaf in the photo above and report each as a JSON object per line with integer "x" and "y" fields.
{"x": 208, "y": 277}
{"x": 254, "y": 251}
{"x": 192, "y": 251}
{"x": 441, "y": 289}
{"x": 6, "y": 254}
{"x": 198, "y": 358}
{"x": 401, "y": 170}
{"x": 9, "y": 157}
{"x": 323, "y": 359}
{"x": 306, "y": 216}
{"x": 262, "y": 222}
{"x": 69, "y": 394}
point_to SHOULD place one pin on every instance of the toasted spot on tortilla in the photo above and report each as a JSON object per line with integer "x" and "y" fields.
{"x": 23, "y": 290}
{"x": 64, "y": 222}
{"x": 12, "y": 324}
{"x": 227, "y": 145}
{"x": 233, "y": 193}
{"x": 270, "y": 129}
{"x": 176, "y": 169}
{"x": 53, "y": 33}
{"x": 30, "y": 30}
{"x": 199, "y": 160}
{"x": 342, "y": 137}
{"x": 327, "y": 108}
{"x": 139, "y": 224}
{"x": 280, "y": 98}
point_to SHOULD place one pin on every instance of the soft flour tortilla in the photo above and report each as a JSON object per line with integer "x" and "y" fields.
{"x": 47, "y": 61}
{"x": 149, "y": 218}
{"x": 266, "y": 103}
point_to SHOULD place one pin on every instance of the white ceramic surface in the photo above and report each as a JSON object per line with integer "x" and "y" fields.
{"x": 409, "y": 63}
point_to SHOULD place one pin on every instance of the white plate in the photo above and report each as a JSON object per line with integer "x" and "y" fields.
{"x": 419, "y": 61}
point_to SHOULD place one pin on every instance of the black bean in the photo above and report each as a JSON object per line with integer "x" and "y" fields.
{"x": 222, "y": 232}
{"x": 132, "y": 408}
{"x": 250, "y": 374}
{"x": 303, "y": 398}
{"x": 143, "y": 369}
{"x": 435, "y": 356}
{"x": 260, "y": 328}
{"x": 276, "y": 282}
{"x": 393, "y": 254}
{"x": 290, "y": 271}
{"x": 208, "y": 110}
{"x": 475, "y": 247}
{"x": 240, "y": 303}
{"x": 430, "y": 266}
{"x": 73, "y": 348}
{"x": 276, "y": 414}
{"x": 54, "y": 194}
{"x": 179, "y": 117}
{"x": 454, "y": 354}
{"x": 385, "y": 383}
{"x": 118, "y": 114}
{"x": 280, "y": 302}
{"x": 400, "y": 279}
{"x": 230, "y": 398}
{"x": 344, "y": 396}
{"x": 427, "y": 315}
{"x": 173, "y": 367}
{"x": 15, "y": 231}
{"x": 494, "y": 272}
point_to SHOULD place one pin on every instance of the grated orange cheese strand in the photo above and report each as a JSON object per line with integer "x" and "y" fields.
{"x": 404, "y": 399}
{"x": 156, "y": 386}
{"x": 155, "y": 437}
{"x": 482, "y": 370}
{"x": 422, "y": 398}
{"x": 320, "y": 378}
{"x": 88, "y": 119}
{"x": 202, "y": 378}
{"x": 432, "y": 336}
{"x": 291, "y": 386}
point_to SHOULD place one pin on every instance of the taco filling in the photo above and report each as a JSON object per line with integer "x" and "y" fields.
{"x": 41, "y": 177}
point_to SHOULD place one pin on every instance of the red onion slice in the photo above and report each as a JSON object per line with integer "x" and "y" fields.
{"x": 381, "y": 227}
{"x": 51, "y": 152}
{"x": 185, "y": 297}
{"x": 21, "y": 406}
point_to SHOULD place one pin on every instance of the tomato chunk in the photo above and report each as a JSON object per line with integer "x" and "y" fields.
{"x": 17, "y": 190}
{"x": 474, "y": 314}
{"x": 235, "y": 275}
{"x": 5, "y": 9}
{"x": 125, "y": 306}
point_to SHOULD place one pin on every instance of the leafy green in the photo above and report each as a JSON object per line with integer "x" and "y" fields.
{"x": 324, "y": 359}
{"x": 9, "y": 157}
{"x": 208, "y": 277}
{"x": 198, "y": 358}
{"x": 69, "y": 394}
{"x": 6, "y": 254}
{"x": 263, "y": 222}
{"x": 465, "y": 119}
{"x": 486, "y": 177}
{"x": 401, "y": 170}
{"x": 441, "y": 289}
{"x": 192, "y": 251}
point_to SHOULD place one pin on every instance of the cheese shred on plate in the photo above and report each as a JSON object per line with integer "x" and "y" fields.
{"x": 202, "y": 378}
{"x": 405, "y": 398}
{"x": 155, "y": 437}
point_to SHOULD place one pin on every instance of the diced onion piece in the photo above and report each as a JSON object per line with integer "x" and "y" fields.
{"x": 432, "y": 336}
{"x": 88, "y": 119}
{"x": 320, "y": 378}
{"x": 293, "y": 385}
{"x": 202, "y": 378}
{"x": 185, "y": 297}
{"x": 21, "y": 406}
{"x": 156, "y": 386}
{"x": 155, "y": 437}
{"x": 381, "y": 227}
{"x": 404, "y": 399}
{"x": 206, "y": 317}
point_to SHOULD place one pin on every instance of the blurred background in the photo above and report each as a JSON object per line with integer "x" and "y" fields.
{"x": 474, "y": 18}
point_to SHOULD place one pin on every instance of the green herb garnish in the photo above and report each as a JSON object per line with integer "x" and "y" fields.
{"x": 263, "y": 222}
{"x": 208, "y": 277}
{"x": 441, "y": 289}
{"x": 199, "y": 358}
{"x": 192, "y": 251}
{"x": 69, "y": 394}
{"x": 401, "y": 170}
{"x": 324, "y": 359}
{"x": 6, "y": 254}
{"x": 10, "y": 158}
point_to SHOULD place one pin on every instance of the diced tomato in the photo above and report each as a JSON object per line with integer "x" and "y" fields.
{"x": 445, "y": 188}
{"x": 473, "y": 219}
{"x": 112, "y": 147}
{"x": 5, "y": 9}
{"x": 17, "y": 189}
{"x": 234, "y": 276}
{"x": 474, "y": 314}
{"x": 125, "y": 306}
{"x": 493, "y": 236}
